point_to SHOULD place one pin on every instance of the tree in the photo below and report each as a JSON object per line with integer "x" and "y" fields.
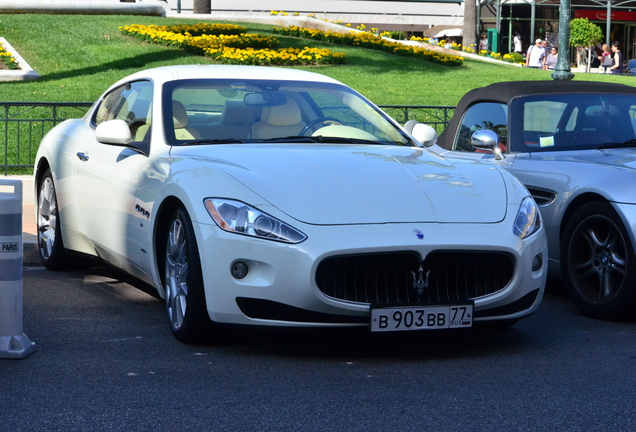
{"x": 585, "y": 34}
{"x": 470, "y": 25}
{"x": 202, "y": 6}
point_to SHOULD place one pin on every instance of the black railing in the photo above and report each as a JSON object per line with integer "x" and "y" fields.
{"x": 433, "y": 115}
{"x": 24, "y": 124}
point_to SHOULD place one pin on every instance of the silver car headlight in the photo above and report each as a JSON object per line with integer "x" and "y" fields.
{"x": 238, "y": 217}
{"x": 528, "y": 220}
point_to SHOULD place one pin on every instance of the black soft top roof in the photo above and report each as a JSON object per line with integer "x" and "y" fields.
{"x": 503, "y": 92}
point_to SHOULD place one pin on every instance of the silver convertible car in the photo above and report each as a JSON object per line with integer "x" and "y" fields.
{"x": 276, "y": 197}
{"x": 573, "y": 145}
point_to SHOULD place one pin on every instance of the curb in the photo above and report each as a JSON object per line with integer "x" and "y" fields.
{"x": 30, "y": 254}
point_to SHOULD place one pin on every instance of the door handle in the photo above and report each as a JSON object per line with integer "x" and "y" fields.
{"x": 81, "y": 156}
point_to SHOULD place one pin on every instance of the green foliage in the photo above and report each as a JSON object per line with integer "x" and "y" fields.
{"x": 397, "y": 35}
{"x": 516, "y": 57}
{"x": 584, "y": 33}
{"x": 80, "y": 56}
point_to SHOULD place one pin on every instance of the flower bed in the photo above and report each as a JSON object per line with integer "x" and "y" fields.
{"x": 370, "y": 40}
{"x": 7, "y": 60}
{"x": 231, "y": 44}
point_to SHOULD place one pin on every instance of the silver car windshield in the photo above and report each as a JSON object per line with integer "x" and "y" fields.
{"x": 208, "y": 111}
{"x": 561, "y": 122}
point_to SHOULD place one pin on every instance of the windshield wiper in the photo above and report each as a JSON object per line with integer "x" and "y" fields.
{"x": 291, "y": 139}
{"x": 321, "y": 139}
{"x": 628, "y": 143}
{"x": 214, "y": 141}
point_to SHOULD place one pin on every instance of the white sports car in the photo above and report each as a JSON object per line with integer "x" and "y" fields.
{"x": 276, "y": 197}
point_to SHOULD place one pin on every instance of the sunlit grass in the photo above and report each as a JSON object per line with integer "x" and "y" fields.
{"x": 80, "y": 56}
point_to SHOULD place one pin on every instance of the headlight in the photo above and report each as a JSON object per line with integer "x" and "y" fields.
{"x": 528, "y": 220}
{"x": 235, "y": 216}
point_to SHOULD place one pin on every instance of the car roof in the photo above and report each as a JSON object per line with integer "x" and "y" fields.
{"x": 504, "y": 92}
{"x": 169, "y": 73}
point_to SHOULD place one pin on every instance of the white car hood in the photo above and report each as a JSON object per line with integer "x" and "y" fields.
{"x": 335, "y": 184}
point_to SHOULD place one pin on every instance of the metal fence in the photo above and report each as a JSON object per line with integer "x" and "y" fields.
{"x": 433, "y": 115}
{"x": 24, "y": 124}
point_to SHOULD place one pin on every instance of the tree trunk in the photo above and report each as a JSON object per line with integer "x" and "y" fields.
{"x": 202, "y": 6}
{"x": 470, "y": 25}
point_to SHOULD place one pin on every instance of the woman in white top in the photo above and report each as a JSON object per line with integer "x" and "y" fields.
{"x": 605, "y": 59}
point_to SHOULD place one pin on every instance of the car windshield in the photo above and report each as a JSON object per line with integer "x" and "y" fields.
{"x": 213, "y": 111}
{"x": 560, "y": 122}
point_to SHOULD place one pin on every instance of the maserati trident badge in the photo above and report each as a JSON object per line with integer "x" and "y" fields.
{"x": 420, "y": 280}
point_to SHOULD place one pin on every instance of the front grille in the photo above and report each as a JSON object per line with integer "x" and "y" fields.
{"x": 391, "y": 278}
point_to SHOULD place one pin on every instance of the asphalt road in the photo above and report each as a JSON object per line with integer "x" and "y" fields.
{"x": 105, "y": 360}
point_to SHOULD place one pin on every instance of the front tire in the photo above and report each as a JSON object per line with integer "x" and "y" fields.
{"x": 50, "y": 243}
{"x": 183, "y": 281}
{"x": 598, "y": 263}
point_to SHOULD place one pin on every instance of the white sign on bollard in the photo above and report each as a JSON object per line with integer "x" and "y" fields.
{"x": 13, "y": 342}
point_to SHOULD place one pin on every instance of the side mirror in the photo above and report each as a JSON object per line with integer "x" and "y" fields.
{"x": 424, "y": 134}
{"x": 487, "y": 140}
{"x": 117, "y": 132}
{"x": 114, "y": 132}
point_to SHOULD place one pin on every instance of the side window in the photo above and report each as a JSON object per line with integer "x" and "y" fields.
{"x": 132, "y": 103}
{"x": 632, "y": 118}
{"x": 483, "y": 116}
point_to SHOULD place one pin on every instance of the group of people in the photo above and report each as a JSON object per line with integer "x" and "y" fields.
{"x": 539, "y": 56}
{"x": 611, "y": 62}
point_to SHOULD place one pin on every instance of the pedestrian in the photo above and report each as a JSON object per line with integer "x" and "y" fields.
{"x": 483, "y": 43}
{"x": 535, "y": 55}
{"x": 517, "y": 43}
{"x": 605, "y": 58}
{"x": 617, "y": 59}
{"x": 581, "y": 58}
{"x": 551, "y": 59}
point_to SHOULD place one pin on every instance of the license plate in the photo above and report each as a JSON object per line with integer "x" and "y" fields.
{"x": 404, "y": 318}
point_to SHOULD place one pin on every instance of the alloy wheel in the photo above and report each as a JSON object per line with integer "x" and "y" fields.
{"x": 47, "y": 218}
{"x": 176, "y": 273}
{"x": 597, "y": 259}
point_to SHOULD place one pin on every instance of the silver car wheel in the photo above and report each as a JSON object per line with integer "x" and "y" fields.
{"x": 47, "y": 218}
{"x": 598, "y": 259}
{"x": 598, "y": 262}
{"x": 176, "y": 274}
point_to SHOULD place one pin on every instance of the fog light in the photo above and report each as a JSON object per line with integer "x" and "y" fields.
{"x": 239, "y": 269}
{"x": 536, "y": 263}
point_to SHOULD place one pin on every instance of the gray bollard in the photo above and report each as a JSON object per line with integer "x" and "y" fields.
{"x": 13, "y": 342}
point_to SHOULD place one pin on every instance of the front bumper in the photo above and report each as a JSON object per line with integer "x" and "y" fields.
{"x": 280, "y": 288}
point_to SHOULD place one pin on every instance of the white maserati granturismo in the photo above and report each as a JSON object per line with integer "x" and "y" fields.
{"x": 277, "y": 197}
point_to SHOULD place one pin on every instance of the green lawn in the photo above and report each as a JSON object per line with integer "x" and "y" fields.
{"x": 79, "y": 56}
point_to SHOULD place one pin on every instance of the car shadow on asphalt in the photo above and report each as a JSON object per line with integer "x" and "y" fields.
{"x": 553, "y": 322}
